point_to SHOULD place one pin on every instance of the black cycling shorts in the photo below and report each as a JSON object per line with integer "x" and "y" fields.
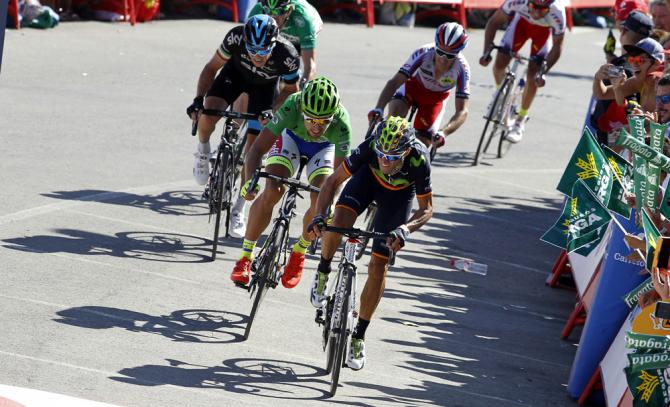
{"x": 230, "y": 83}
{"x": 393, "y": 207}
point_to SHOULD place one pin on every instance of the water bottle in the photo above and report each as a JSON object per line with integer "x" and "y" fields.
{"x": 470, "y": 266}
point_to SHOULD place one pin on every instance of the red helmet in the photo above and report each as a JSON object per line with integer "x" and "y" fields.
{"x": 623, "y": 8}
{"x": 451, "y": 37}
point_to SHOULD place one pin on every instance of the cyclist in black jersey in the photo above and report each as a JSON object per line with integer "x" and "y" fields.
{"x": 391, "y": 169}
{"x": 252, "y": 58}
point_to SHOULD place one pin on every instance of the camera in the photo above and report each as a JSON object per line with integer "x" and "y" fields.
{"x": 614, "y": 71}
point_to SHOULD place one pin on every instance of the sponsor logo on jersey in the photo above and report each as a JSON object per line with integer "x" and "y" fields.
{"x": 234, "y": 39}
{"x": 291, "y": 63}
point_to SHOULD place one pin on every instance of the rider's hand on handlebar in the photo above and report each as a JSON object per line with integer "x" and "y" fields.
{"x": 317, "y": 224}
{"x": 485, "y": 59}
{"x": 374, "y": 114}
{"x": 246, "y": 193}
{"x": 400, "y": 235}
{"x": 195, "y": 107}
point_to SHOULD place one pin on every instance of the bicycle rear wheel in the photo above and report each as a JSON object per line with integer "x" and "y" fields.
{"x": 342, "y": 335}
{"x": 267, "y": 262}
{"x": 493, "y": 120}
{"x": 370, "y": 215}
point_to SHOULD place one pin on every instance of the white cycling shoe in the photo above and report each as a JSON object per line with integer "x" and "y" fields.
{"x": 515, "y": 134}
{"x": 356, "y": 355}
{"x": 201, "y": 168}
{"x": 238, "y": 226}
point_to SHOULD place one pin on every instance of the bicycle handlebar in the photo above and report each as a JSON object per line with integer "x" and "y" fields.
{"x": 512, "y": 53}
{"x": 356, "y": 233}
{"x": 228, "y": 114}
{"x": 286, "y": 181}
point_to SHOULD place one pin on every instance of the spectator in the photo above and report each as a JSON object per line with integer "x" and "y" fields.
{"x": 608, "y": 117}
{"x": 623, "y": 8}
{"x": 660, "y": 14}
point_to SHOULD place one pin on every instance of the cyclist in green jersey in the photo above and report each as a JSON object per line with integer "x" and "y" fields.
{"x": 310, "y": 123}
{"x": 300, "y": 23}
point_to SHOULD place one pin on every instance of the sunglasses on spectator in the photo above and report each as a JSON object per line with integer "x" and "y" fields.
{"x": 444, "y": 54}
{"x": 389, "y": 157}
{"x": 639, "y": 59}
{"x": 535, "y": 7}
{"x": 317, "y": 122}
{"x": 276, "y": 11}
{"x": 259, "y": 51}
{"x": 663, "y": 99}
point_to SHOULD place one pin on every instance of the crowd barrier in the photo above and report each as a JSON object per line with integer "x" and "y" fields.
{"x": 455, "y": 9}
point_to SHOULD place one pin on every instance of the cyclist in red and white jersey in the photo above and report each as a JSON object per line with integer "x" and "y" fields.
{"x": 541, "y": 21}
{"x": 426, "y": 80}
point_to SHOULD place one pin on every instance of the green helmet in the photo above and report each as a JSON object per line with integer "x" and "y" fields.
{"x": 320, "y": 98}
{"x": 275, "y": 7}
{"x": 394, "y": 135}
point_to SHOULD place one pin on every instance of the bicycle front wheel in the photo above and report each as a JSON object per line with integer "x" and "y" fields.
{"x": 493, "y": 120}
{"x": 267, "y": 263}
{"x": 342, "y": 335}
{"x": 216, "y": 198}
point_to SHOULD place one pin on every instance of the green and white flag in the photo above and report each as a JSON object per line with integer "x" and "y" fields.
{"x": 648, "y": 387}
{"x": 589, "y": 164}
{"x": 656, "y": 140}
{"x": 646, "y": 343}
{"x": 632, "y": 298}
{"x": 642, "y": 151}
{"x": 665, "y": 203}
{"x": 636, "y": 124}
{"x": 623, "y": 174}
{"x": 651, "y": 235}
{"x": 582, "y": 222}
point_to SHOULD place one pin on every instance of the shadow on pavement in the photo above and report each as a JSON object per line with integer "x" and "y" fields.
{"x": 473, "y": 340}
{"x": 191, "y": 325}
{"x": 186, "y": 203}
{"x": 276, "y": 379}
{"x": 149, "y": 246}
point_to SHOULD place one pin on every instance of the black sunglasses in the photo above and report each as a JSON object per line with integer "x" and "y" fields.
{"x": 441, "y": 53}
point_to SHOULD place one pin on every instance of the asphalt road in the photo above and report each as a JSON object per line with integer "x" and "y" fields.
{"x": 107, "y": 293}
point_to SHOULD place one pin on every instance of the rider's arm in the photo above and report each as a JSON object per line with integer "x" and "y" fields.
{"x": 330, "y": 187}
{"x": 262, "y": 145}
{"x": 497, "y": 20}
{"x": 555, "y": 53}
{"x": 309, "y": 63}
{"x": 391, "y": 86}
{"x": 459, "y": 116}
{"x": 423, "y": 214}
{"x": 209, "y": 72}
{"x": 287, "y": 90}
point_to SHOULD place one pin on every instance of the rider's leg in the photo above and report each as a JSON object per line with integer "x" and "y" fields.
{"x": 206, "y": 126}
{"x": 319, "y": 166}
{"x": 499, "y": 66}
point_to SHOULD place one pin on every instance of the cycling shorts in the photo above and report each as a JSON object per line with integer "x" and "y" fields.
{"x": 430, "y": 105}
{"x": 288, "y": 148}
{"x": 229, "y": 84}
{"x": 520, "y": 30}
{"x": 394, "y": 206}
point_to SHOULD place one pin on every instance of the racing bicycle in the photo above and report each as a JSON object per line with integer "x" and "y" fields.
{"x": 267, "y": 267}
{"x": 503, "y": 109}
{"x": 338, "y": 315}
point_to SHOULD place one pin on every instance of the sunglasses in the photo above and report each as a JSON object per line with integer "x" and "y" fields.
{"x": 663, "y": 99}
{"x": 444, "y": 54}
{"x": 637, "y": 59}
{"x": 389, "y": 157}
{"x": 317, "y": 122}
{"x": 276, "y": 11}
{"x": 259, "y": 51}
{"x": 535, "y": 7}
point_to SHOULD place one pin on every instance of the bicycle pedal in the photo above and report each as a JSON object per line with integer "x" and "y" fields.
{"x": 319, "y": 317}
